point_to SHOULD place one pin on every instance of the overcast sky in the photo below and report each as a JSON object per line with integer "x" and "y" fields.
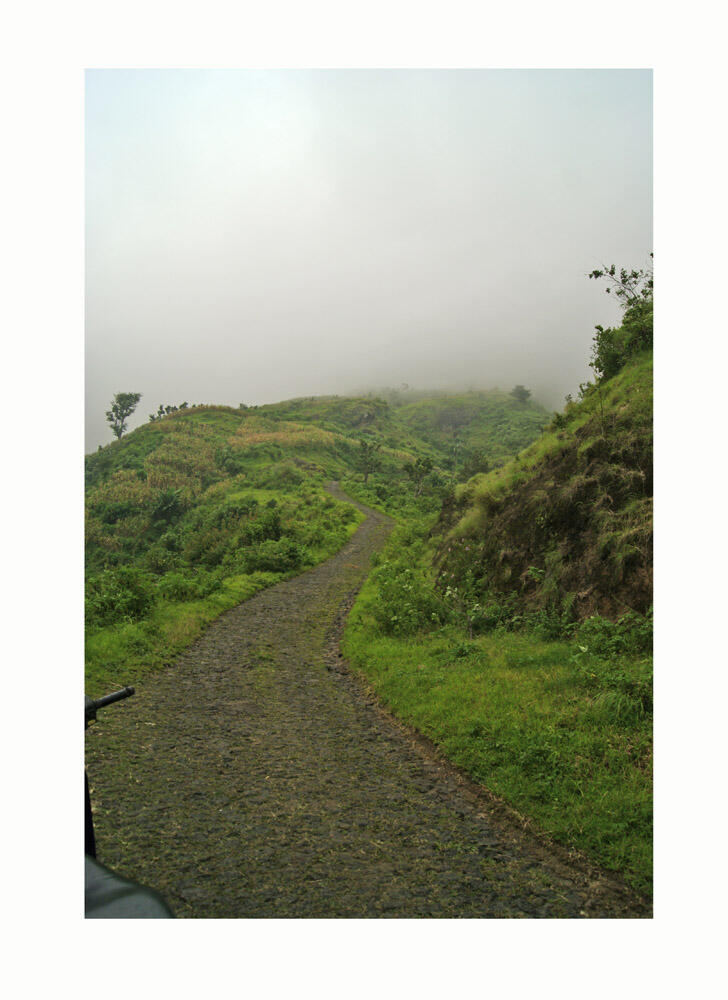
{"x": 257, "y": 235}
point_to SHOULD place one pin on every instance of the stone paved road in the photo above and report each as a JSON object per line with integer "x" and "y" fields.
{"x": 256, "y": 778}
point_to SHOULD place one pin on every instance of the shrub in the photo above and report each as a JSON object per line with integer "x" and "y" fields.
{"x": 160, "y": 560}
{"x": 116, "y": 595}
{"x": 179, "y": 587}
{"x": 167, "y": 507}
{"x": 275, "y": 556}
{"x": 206, "y": 547}
{"x": 632, "y": 633}
{"x": 267, "y": 526}
{"x": 404, "y": 602}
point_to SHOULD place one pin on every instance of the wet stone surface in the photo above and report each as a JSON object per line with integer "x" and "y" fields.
{"x": 256, "y": 778}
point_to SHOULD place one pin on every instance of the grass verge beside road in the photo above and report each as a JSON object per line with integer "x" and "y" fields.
{"x": 561, "y": 733}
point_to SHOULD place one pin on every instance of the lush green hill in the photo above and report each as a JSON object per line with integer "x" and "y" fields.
{"x": 448, "y": 427}
{"x": 567, "y": 525}
{"x": 493, "y": 423}
{"x": 201, "y": 507}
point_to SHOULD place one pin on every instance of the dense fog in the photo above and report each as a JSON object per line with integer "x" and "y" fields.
{"x": 253, "y": 236}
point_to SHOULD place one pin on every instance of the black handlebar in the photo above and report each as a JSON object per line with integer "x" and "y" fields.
{"x": 92, "y": 705}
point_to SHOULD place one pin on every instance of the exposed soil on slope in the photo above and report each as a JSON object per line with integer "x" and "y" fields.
{"x": 257, "y": 778}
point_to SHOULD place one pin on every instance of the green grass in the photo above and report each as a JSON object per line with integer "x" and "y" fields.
{"x": 124, "y": 652}
{"x": 630, "y": 390}
{"x": 561, "y": 729}
{"x": 530, "y": 721}
{"x": 575, "y": 508}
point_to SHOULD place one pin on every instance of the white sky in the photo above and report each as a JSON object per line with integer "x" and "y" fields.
{"x": 256, "y": 235}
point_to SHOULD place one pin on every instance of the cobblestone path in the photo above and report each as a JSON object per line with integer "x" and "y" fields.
{"x": 256, "y": 778}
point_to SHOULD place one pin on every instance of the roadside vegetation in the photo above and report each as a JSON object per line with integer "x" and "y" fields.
{"x": 514, "y": 628}
{"x": 558, "y": 726}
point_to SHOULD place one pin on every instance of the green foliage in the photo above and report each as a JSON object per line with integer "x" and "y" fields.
{"x": 122, "y": 407}
{"x": 164, "y": 411}
{"x": 475, "y": 463}
{"x": 204, "y": 498}
{"x": 521, "y": 393}
{"x": 418, "y": 471}
{"x": 368, "y": 460}
{"x": 561, "y": 734}
{"x": 629, "y": 286}
{"x": 168, "y": 506}
{"x": 282, "y": 476}
{"x": 631, "y": 633}
{"x": 275, "y": 555}
{"x": 125, "y": 594}
{"x": 569, "y": 522}
{"x": 612, "y": 348}
{"x": 178, "y": 586}
{"x": 458, "y": 425}
{"x": 405, "y": 602}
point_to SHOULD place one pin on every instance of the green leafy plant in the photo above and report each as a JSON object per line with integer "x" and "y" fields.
{"x": 122, "y": 407}
{"x": 116, "y": 595}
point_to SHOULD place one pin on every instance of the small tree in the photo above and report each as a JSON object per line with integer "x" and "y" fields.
{"x": 122, "y": 406}
{"x": 418, "y": 472}
{"x": 521, "y": 393}
{"x": 613, "y": 346}
{"x": 630, "y": 286}
{"x": 368, "y": 461}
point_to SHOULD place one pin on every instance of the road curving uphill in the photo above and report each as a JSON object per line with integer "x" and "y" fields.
{"x": 257, "y": 778}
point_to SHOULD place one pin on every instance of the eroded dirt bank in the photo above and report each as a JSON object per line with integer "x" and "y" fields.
{"x": 256, "y": 778}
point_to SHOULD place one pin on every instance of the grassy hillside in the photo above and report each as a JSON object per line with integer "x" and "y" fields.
{"x": 491, "y": 423}
{"x": 448, "y": 427}
{"x": 202, "y": 507}
{"x": 567, "y": 525}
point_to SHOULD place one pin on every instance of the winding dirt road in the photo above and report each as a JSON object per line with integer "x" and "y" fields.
{"x": 256, "y": 778}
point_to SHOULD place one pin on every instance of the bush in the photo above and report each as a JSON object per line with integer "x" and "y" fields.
{"x": 281, "y": 476}
{"x": 275, "y": 556}
{"x": 404, "y": 602}
{"x": 160, "y": 560}
{"x": 267, "y": 526}
{"x": 178, "y": 587}
{"x": 632, "y": 633}
{"x": 117, "y": 595}
{"x": 167, "y": 507}
{"x": 206, "y": 547}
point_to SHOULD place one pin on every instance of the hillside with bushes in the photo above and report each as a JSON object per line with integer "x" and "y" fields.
{"x": 204, "y": 505}
{"x": 514, "y": 627}
{"x": 566, "y": 526}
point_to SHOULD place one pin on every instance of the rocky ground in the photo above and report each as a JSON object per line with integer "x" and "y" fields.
{"x": 257, "y": 778}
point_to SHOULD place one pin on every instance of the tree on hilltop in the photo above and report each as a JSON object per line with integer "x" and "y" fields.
{"x": 629, "y": 286}
{"x": 613, "y": 346}
{"x": 521, "y": 393}
{"x": 122, "y": 406}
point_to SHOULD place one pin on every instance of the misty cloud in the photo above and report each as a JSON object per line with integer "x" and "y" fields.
{"x": 253, "y": 236}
